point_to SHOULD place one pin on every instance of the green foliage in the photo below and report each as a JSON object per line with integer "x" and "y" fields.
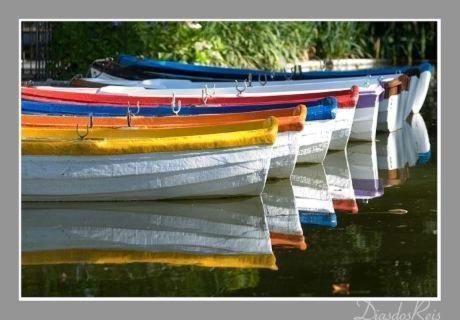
{"x": 341, "y": 40}
{"x": 252, "y": 44}
{"x": 404, "y": 41}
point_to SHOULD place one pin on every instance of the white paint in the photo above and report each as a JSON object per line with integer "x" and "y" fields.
{"x": 422, "y": 90}
{"x": 365, "y": 123}
{"x": 342, "y": 128}
{"x": 166, "y": 175}
{"x": 315, "y": 140}
{"x": 284, "y": 155}
{"x": 388, "y": 114}
{"x": 412, "y": 95}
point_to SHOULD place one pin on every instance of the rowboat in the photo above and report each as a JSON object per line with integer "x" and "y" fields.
{"x": 119, "y": 96}
{"x": 285, "y": 150}
{"x": 148, "y": 164}
{"x": 228, "y": 233}
{"x": 282, "y": 215}
{"x": 312, "y": 197}
{"x": 114, "y": 95}
{"x": 322, "y": 109}
{"x": 140, "y": 68}
{"x": 365, "y": 118}
{"x": 313, "y": 144}
{"x": 362, "y": 159}
{"x": 288, "y": 118}
{"x": 339, "y": 182}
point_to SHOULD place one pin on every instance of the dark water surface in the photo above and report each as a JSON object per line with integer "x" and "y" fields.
{"x": 387, "y": 248}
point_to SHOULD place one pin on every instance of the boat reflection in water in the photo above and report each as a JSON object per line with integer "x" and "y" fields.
{"x": 312, "y": 197}
{"x": 401, "y": 149}
{"x": 392, "y": 154}
{"x": 362, "y": 158}
{"x": 421, "y": 139}
{"x": 340, "y": 183}
{"x": 282, "y": 215}
{"x": 208, "y": 233}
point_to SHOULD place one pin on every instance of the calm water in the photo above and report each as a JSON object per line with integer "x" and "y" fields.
{"x": 256, "y": 247}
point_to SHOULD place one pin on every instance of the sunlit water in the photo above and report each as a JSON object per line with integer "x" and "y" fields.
{"x": 362, "y": 224}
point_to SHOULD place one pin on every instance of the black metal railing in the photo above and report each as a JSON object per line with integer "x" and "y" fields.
{"x": 35, "y": 42}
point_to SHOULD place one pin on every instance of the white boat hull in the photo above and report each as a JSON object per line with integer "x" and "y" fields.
{"x": 390, "y": 116}
{"x": 412, "y": 96}
{"x": 422, "y": 90}
{"x": 366, "y": 115}
{"x": 395, "y": 110}
{"x": 284, "y": 156}
{"x": 365, "y": 123}
{"x": 315, "y": 140}
{"x": 167, "y": 175}
{"x": 342, "y": 128}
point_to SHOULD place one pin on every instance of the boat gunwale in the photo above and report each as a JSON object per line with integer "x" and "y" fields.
{"x": 265, "y": 134}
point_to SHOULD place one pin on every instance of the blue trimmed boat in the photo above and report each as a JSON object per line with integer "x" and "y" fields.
{"x": 143, "y": 68}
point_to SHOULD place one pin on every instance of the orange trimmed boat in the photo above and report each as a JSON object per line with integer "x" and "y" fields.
{"x": 285, "y": 150}
{"x": 289, "y": 119}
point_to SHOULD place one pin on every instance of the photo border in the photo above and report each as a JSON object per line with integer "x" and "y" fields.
{"x": 448, "y": 157}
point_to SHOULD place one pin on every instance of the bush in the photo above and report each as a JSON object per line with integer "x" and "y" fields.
{"x": 264, "y": 45}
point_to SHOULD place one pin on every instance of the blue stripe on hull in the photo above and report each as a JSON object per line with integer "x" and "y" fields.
{"x": 317, "y": 110}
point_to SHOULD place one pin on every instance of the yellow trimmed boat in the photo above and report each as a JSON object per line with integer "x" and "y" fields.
{"x": 146, "y": 164}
